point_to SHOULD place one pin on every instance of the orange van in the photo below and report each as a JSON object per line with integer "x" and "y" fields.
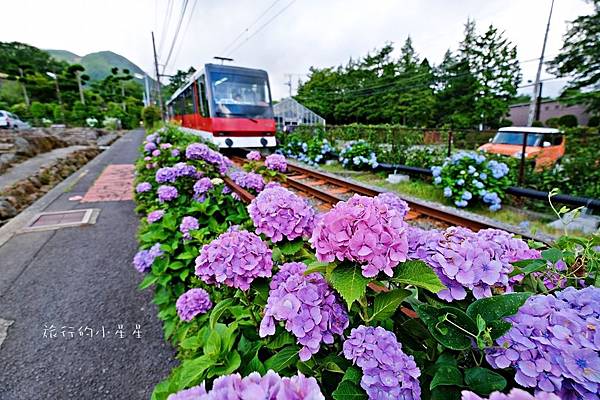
{"x": 544, "y": 145}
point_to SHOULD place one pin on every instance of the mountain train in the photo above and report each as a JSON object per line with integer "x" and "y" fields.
{"x": 226, "y": 105}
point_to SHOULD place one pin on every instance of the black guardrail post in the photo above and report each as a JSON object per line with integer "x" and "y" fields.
{"x": 522, "y": 163}
{"x": 449, "y": 143}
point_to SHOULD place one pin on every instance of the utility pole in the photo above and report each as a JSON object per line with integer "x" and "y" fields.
{"x": 146, "y": 91}
{"x": 537, "y": 88}
{"x": 289, "y": 83}
{"x": 160, "y": 102}
{"x": 81, "y": 96}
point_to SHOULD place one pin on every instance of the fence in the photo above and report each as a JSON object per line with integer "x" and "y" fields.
{"x": 577, "y": 174}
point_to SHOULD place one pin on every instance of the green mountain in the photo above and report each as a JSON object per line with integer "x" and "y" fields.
{"x": 97, "y": 65}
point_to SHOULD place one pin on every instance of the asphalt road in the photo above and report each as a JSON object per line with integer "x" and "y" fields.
{"x": 59, "y": 286}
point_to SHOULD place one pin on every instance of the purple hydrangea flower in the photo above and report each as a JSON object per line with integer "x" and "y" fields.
{"x": 165, "y": 175}
{"x": 279, "y": 213}
{"x": 165, "y": 146}
{"x": 144, "y": 259}
{"x": 182, "y": 169}
{"x": 514, "y": 394}
{"x": 362, "y": 229}
{"x": 269, "y": 387}
{"x": 149, "y": 147}
{"x": 188, "y": 224}
{"x": 201, "y": 187}
{"x": 276, "y": 162}
{"x": 156, "y": 153}
{"x": 307, "y": 305}
{"x": 143, "y": 187}
{"x": 175, "y": 153}
{"x": 193, "y": 393}
{"x": 199, "y": 151}
{"x": 395, "y": 202}
{"x": 193, "y": 302}
{"x": 554, "y": 344}
{"x": 388, "y": 373}
{"x": 155, "y": 216}
{"x": 253, "y": 156}
{"x": 235, "y": 259}
{"x": 248, "y": 180}
{"x": 167, "y": 193}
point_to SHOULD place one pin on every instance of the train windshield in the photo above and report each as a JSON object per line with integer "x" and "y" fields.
{"x": 241, "y": 96}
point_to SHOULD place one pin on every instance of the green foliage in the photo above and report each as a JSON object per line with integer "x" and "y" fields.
{"x": 151, "y": 116}
{"x": 358, "y": 155}
{"x": 568, "y": 121}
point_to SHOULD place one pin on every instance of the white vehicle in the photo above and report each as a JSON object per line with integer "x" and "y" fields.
{"x": 12, "y": 121}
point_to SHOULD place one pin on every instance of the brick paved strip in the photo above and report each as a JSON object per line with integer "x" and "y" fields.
{"x": 114, "y": 184}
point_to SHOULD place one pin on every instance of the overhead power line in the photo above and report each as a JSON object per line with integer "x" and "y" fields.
{"x": 250, "y": 26}
{"x": 165, "y": 28}
{"x": 262, "y": 27}
{"x": 189, "y": 20}
{"x": 181, "y": 16}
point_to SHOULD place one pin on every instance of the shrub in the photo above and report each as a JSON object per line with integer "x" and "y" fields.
{"x": 568, "y": 121}
{"x": 466, "y": 176}
{"x": 151, "y": 116}
{"x": 358, "y": 155}
{"x": 594, "y": 121}
{"x": 315, "y": 150}
{"x": 424, "y": 156}
{"x": 537, "y": 124}
{"x": 553, "y": 122}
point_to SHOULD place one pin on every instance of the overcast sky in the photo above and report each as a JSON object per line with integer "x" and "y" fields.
{"x": 307, "y": 33}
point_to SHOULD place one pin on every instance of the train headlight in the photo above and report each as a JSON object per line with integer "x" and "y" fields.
{"x": 229, "y": 142}
{"x": 263, "y": 141}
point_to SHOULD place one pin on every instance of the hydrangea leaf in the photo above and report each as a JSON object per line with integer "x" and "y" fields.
{"x": 386, "y": 303}
{"x": 192, "y": 370}
{"x": 497, "y": 307}
{"x": 218, "y": 311}
{"x": 149, "y": 280}
{"x": 448, "y": 325}
{"x": 290, "y": 248}
{"x": 231, "y": 363}
{"x": 353, "y": 375}
{"x": 255, "y": 365}
{"x": 283, "y": 359}
{"x": 347, "y": 390}
{"x": 484, "y": 381}
{"x": 446, "y": 375}
{"x": 418, "y": 273}
{"x": 349, "y": 282}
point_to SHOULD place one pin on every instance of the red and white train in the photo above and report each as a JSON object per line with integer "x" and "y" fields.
{"x": 229, "y": 106}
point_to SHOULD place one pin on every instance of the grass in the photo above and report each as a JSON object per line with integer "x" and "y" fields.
{"x": 426, "y": 191}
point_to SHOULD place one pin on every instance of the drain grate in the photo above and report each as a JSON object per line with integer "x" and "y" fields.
{"x": 62, "y": 219}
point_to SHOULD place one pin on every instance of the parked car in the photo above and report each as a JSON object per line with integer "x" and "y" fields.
{"x": 9, "y": 120}
{"x": 545, "y": 146}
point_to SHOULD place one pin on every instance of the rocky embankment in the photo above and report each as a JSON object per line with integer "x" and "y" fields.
{"x": 17, "y": 149}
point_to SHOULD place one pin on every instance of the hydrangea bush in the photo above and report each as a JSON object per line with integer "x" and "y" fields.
{"x": 468, "y": 176}
{"x": 314, "y": 151}
{"x": 358, "y": 155}
{"x": 274, "y": 300}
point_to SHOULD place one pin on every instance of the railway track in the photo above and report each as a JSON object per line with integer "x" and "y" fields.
{"x": 327, "y": 189}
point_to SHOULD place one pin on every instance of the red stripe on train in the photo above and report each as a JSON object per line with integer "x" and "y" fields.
{"x": 231, "y": 126}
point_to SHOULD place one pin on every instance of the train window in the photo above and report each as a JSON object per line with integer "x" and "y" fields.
{"x": 188, "y": 100}
{"x": 203, "y": 96}
{"x": 241, "y": 95}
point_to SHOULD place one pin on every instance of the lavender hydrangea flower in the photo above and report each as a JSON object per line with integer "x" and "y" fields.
{"x": 201, "y": 187}
{"x": 182, "y": 169}
{"x": 188, "y": 224}
{"x": 175, "y": 153}
{"x": 167, "y": 193}
{"x": 268, "y": 387}
{"x": 144, "y": 259}
{"x": 554, "y": 344}
{"x": 276, "y": 162}
{"x": 279, "y": 213}
{"x": 388, "y": 373}
{"x": 235, "y": 259}
{"x": 193, "y": 302}
{"x": 192, "y": 393}
{"x": 308, "y": 306}
{"x": 165, "y": 175}
{"x": 199, "y": 151}
{"x": 156, "y": 153}
{"x": 514, "y": 394}
{"x": 248, "y": 180}
{"x": 165, "y": 146}
{"x": 143, "y": 187}
{"x": 395, "y": 202}
{"x": 253, "y": 156}
{"x": 155, "y": 216}
{"x": 362, "y": 229}
{"x": 149, "y": 147}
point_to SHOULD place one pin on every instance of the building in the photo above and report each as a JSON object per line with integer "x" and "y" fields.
{"x": 289, "y": 113}
{"x": 518, "y": 113}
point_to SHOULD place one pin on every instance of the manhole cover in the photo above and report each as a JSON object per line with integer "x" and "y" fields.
{"x": 62, "y": 219}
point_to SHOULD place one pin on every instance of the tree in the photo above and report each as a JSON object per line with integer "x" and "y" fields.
{"x": 579, "y": 58}
{"x": 178, "y": 80}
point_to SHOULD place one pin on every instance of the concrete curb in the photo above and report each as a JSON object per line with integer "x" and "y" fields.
{"x": 14, "y": 226}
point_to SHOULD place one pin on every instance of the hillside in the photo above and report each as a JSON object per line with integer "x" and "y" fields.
{"x": 97, "y": 65}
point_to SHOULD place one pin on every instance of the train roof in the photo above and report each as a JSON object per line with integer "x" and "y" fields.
{"x": 217, "y": 68}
